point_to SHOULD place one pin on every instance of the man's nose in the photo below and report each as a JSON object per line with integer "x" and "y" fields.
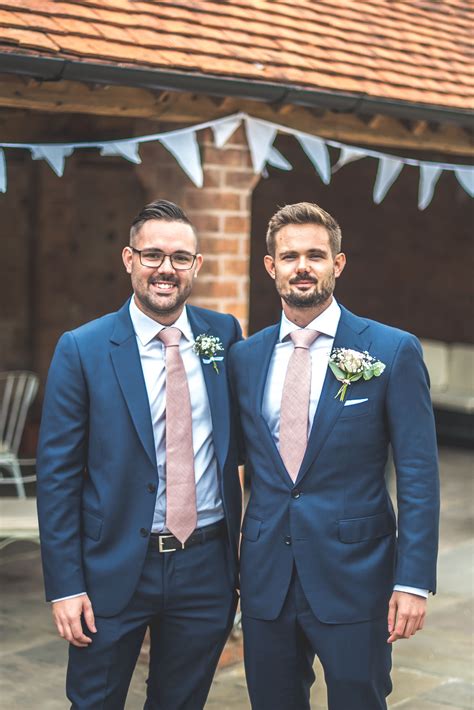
{"x": 166, "y": 267}
{"x": 302, "y": 264}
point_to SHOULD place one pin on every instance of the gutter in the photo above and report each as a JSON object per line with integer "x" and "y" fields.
{"x": 52, "y": 69}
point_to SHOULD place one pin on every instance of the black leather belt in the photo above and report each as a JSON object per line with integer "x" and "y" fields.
{"x": 169, "y": 543}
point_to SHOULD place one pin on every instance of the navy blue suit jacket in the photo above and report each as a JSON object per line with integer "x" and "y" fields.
{"x": 96, "y": 459}
{"x": 336, "y": 522}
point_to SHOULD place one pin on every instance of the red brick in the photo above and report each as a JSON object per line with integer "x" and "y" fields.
{"x": 213, "y": 177}
{"x": 213, "y": 200}
{"x": 204, "y": 222}
{"x": 236, "y": 225}
{"x": 235, "y": 267}
{"x": 219, "y": 245}
{"x": 240, "y": 179}
{"x": 216, "y": 289}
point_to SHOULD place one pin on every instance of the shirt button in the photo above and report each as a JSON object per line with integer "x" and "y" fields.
{"x": 144, "y": 532}
{"x": 151, "y": 488}
{"x": 287, "y": 540}
{"x": 295, "y": 493}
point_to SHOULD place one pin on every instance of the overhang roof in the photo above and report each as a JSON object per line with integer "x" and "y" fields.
{"x": 396, "y": 52}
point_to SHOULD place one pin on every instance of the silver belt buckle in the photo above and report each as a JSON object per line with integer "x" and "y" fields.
{"x": 161, "y": 539}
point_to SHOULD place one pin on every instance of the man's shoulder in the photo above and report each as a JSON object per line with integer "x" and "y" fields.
{"x": 256, "y": 339}
{"x": 210, "y": 315}
{"x": 390, "y": 334}
{"x": 99, "y": 327}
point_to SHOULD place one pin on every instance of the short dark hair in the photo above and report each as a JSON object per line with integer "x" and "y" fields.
{"x": 163, "y": 210}
{"x": 304, "y": 213}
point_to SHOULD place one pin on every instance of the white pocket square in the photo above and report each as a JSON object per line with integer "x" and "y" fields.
{"x": 350, "y": 402}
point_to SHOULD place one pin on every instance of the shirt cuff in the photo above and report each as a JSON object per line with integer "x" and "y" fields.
{"x": 71, "y": 596}
{"x": 411, "y": 590}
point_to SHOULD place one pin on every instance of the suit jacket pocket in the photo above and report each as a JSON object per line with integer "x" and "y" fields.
{"x": 356, "y": 410}
{"x": 91, "y": 525}
{"x": 251, "y": 528}
{"x": 359, "y": 529}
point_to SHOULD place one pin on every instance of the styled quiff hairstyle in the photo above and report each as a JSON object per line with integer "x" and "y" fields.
{"x": 163, "y": 210}
{"x": 304, "y": 213}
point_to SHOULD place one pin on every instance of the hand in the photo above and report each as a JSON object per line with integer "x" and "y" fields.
{"x": 67, "y": 617}
{"x": 406, "y": 615}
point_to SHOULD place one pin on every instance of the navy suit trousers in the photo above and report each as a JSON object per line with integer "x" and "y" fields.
{"x": 279, "y": 656}
{"x": 187, "y": 600}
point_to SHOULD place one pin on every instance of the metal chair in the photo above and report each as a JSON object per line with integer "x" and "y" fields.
{"x": 18, "y": 390}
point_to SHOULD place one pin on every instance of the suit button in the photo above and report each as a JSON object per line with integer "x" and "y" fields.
{"x": 287, "y": 540}
{"x": 144, "y": 532}
{"x": 151, "y": 488}
{"x": 295, "y": 493}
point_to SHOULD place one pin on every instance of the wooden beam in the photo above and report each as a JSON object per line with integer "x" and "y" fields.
{"x": 62, "y": 97}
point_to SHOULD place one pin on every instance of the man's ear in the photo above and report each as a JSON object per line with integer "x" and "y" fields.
{"x": 127, "y": 256}
{"x": 269, "y": 264}
{"x": 339, "y": 264}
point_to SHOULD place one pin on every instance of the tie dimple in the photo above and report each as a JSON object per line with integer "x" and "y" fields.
{"x": 181, "y": 514}
{"x": 295, "y": 402}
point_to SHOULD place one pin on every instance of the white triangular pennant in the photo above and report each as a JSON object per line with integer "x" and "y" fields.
{"x": 224, "y": 129}
{"x": 3, "y": 172}
{"x": 55, "y": 155}
{"x": 260, "y": 136}
{"x": 184, "y": 147}
{"x": 388, "y": 171}
{"x": 277, "y": 160}
{"x": 124, "y": 149}
{"x": 317, "y": 152}
{"x": 465, "y": 178}
{"x": 348, "y": 154}
{"x": 429, "y": 176}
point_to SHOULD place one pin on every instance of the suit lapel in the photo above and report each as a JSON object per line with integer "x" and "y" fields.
{"x": 262, "y": 351}
{"x": 352, "y": 332}
{"x": 128, "y": 369}
{"x": 217, "y": 392}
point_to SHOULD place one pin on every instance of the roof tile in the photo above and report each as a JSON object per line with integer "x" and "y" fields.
{"x": 411, "y": 51}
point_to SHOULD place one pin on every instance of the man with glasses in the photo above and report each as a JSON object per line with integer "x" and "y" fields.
{"x": 138, "y": 491}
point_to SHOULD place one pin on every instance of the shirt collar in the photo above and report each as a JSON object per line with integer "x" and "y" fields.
{"x": 146, "y": 329}
{"x": 326, "y": 323}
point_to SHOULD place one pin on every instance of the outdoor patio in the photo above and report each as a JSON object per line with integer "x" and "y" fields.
{"x": 432, "y": 671}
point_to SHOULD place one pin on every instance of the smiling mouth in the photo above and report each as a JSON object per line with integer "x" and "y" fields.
{"x": 165, "y": 286}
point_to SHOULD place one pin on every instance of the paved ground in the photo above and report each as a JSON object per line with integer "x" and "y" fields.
{"x": 432, "y": 671}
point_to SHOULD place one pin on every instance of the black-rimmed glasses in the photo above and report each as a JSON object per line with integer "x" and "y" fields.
{"x": 153, "y": 258}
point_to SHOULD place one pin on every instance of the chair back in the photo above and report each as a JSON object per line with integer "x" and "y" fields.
{"x": 17, "y": 391}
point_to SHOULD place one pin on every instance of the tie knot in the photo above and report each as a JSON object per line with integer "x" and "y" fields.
{"x": 303, "y": 338}
{"x": 170, "y": 336}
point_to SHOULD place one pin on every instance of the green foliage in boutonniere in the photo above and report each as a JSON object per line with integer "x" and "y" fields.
{"x": 350, "y": 365}
{"x": 207, "y": 347}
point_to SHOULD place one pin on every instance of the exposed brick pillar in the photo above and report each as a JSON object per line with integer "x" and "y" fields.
{"x": 220, "y": 210}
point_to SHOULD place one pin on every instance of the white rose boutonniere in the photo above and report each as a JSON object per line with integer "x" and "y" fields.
{"x": 207, "y": 347}
{"x": 350, "y": 365}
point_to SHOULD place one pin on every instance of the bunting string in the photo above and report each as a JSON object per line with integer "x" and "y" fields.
{"x": 182, "y": 143}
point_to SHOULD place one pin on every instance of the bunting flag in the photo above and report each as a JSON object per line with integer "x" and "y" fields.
{"x": 429, "y": 176}
{"x": 224, "y": 129}
{"x": 317, "y": 152}
{"x": 465, "y": 178}
{"x": 55, "y": 155}
{"x": 3, "y": 172}
{"x": 125, "y": 149}
{"x": 277, "y": 160}
{"x": 184, "y": 147}
{"x": 260, "y": 136}
{"x": 388, "y": 171}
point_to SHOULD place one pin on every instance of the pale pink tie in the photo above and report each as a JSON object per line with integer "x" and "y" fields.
{"x": 294, "y": 411}
{"x": 181, "y": 515}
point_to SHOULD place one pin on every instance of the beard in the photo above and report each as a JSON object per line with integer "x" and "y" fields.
{"x": 163, "y": 305}
{"x": 308, "y": 299}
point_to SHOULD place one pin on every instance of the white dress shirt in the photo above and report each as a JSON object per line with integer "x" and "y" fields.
{"x": 152, "y": 356}
{"x": 326, "y": 324}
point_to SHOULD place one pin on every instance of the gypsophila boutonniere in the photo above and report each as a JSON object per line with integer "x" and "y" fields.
{"x": 207, "y": 347}
{"x": 350, "y": 365}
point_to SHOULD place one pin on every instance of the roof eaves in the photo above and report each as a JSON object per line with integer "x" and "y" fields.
{"x": 54, "y": 69}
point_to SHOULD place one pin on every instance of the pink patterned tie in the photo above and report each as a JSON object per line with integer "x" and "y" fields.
{"x": 181, "y": 515}
{"x": 295, "y": 402}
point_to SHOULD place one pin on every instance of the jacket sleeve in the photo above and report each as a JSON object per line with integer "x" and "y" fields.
{"x": 413, "y": 439}
{"x": 61, "y": 466}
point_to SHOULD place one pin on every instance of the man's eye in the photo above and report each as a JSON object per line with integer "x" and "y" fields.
{"x": 182, "y": 258}
{"x": 153, "y": 255}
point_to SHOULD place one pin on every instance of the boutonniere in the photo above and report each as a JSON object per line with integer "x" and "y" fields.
{"x": 207, "y": 346}
{"x": 350, "y": 365}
